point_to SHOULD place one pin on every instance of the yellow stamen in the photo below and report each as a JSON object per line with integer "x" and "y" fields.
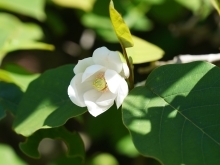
{"x": 99, "y": 83}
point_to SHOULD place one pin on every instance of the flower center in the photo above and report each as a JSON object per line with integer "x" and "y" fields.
{"x": 99, "y": 83}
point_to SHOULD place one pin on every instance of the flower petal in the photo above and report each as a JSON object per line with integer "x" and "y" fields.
{"x": 112, "y": 78}
{"x": 91, "y": 70}
{"x": 106, "y": 99}
{"x": 122, "y": 92}
{"x": 76, "y": 90}
{"x": 125, "y": 71}
{"x": 90, "y": 98}
{"x": 82, "y": 65}
{"x": 107, "y": 58}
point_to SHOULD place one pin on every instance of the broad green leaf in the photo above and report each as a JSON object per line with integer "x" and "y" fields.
{"x": 175, "y": 116}
{"x": 85, "y": 5}
{"x": 46, "y": 104}
{"x": 121, "y": 29}
{"x": 33, "y": 8}
{"x": 72, "y": 140}
{"x": 10, "y": 96}
{"x": 16, "y": 35}
{"x": 144, "y": 51}
{"x": 8, "y": 156}
{"x": 216, "y": 4}
{"x": 17, "y": 75}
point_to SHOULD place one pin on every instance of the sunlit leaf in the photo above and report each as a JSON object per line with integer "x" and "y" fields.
{"x": 45, "y": 103}
{"x": 8, "y": 156}
{"x": 72, "y": 140}
{"x": 175, "y": 116}
{"x": 16, "y": 35}
{"x": 85, "y": 5}
{"x": 144, "y": 51}
{"x": 121, "y": 29}
{"x": 126, "y": 147}
{"x": 216, "y": 4}
{"x": 10, "y": 96}
{"x": 33, "y": 8}
{"x": 17, "y": 75}
{"x": 104, "y": 158}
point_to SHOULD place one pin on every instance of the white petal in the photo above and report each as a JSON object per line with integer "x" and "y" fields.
{"x": 91, "y": 70}
{"x": 125, "y": 71}
{"x": 76, "y": 90}
{"x": 106, "y": 99}
{"x": 112, "y": 78}
{"x": 82, "y": 65}
{"x": 90, "y": 98}
{"x": 115, "y": 61}
{"x": 122, "y": 92}
{"x": 100, "y": 55}
{"x": 107, "y": 58}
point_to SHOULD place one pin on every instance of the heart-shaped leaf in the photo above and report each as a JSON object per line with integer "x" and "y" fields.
{"x": 175, "y": 117}
{"x": 46, "y": 104}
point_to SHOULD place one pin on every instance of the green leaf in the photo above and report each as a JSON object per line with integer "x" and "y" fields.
{"x": 126, "y": 147}
{"x": 175, "y": 116}
{"x": 85, "y": 5}
{"x": 144, "y": 51}
{"x": 104, "y": 159}
{"x": 216, "y": 4}
{"x": 33, "y": 8}
{"x": 16, "y": 35}
{"x": 46, "y": 104}
{"x": 10, "y": 95}
{"x": 9, "y": 157}
{"x": 197, "y": 6}
{"x": 17, "y": 75}
{"x": 121, "y": 29}
{"x": 72, "y": 140}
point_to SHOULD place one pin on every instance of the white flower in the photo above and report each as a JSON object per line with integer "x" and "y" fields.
{"x": 99, "y": 81}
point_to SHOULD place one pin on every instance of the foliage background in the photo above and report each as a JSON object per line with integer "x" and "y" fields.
{"x": 75, "y": 28}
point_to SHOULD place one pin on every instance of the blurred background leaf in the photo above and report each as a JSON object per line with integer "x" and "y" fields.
{"x": 33, "y": 8}
{"x": 216, "y": 4}
{"x": 85, "y": 5}
{"x": 9, "y": 157}
{"x": 16, "y": 74}
{"x": 17, "y": 35}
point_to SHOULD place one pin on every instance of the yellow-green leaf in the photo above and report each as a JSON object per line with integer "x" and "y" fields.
{"x": 85, "y": 5}
{"x": 144, "y": 51}
{"x": 216, "y": 4}
{"x": 32, "y": 8}
{"x": 121, "y": 29}
{"x": 22, "y": 78}
{"x": 15, "y": 35}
